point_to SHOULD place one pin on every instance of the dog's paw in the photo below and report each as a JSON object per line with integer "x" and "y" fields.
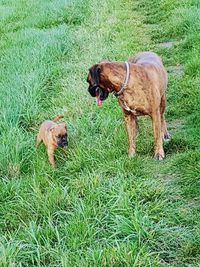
{"x": 131, "y": 154}
{"x": 159, "y": 156}
{"x": 166, "y": 137}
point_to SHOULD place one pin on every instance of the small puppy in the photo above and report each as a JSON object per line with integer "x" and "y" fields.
{"x": 53, "y": 135}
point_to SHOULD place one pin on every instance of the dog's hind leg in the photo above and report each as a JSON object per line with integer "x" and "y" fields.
{"x": 165, "y": 134}
{"x": 131, "y": 127}
{"x": 157, "y": 129}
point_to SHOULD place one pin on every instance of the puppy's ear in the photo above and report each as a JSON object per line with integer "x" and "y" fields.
{"x": 64, "y": 125}
{"x": 51, "y": 128}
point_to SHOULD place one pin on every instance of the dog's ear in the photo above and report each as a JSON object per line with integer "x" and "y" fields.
{"x": 93, "y": 79}
{"x": 94, "y": 72}
{"x": 64, "y": 125}
{"x": 51, "y": 128}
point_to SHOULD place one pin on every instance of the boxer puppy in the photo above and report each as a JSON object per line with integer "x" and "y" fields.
{"x": 53, "y": 135}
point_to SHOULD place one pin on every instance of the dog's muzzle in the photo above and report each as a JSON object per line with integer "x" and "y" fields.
{"x": 103, "y": 93}
{"x": 63, "y": 142}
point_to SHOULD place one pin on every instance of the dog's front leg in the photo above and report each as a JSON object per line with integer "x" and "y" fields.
{"x": 131, "y": 127}
{"x": 50, "y": 152}
{"x": 157, "y": 129}
{"x": 39, "y": 141}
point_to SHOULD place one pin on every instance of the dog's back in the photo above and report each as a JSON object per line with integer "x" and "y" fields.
{"x": 146, "y": 58}
{"x": 152, "y": 62}
{"x": 50, "y": 123}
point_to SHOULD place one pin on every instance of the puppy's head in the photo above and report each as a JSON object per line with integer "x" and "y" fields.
{"x": 59, "y": 135}
{"x": 95, "y": 87}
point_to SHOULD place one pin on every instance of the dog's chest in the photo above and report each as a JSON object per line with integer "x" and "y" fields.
{"x": 135, "y": 103}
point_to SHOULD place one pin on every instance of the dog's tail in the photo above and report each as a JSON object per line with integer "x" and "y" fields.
{"x": 58, "y": 118}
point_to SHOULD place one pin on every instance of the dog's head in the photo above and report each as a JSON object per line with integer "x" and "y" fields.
{"x": 59, "y": 134}
{"x": 96, "y": 88}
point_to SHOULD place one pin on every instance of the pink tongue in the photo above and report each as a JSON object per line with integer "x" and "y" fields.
{"x": 98, "y": 100}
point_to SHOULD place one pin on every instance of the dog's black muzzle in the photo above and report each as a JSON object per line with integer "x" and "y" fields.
{"x": 93, "y": 90}
{"x": 63, "y": 142}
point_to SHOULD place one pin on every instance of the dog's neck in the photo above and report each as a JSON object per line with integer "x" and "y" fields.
{"x": 112, "y": 75}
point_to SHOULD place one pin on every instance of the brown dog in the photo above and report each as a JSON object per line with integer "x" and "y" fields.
{"x": 53, "y": 135}
{"x": 139, "y": 85}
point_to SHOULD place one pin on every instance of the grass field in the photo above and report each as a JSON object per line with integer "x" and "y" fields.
{"x": 98, "y": 207}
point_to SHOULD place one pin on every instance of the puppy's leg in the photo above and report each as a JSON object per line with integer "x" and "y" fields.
{"x": 156, "y": 120}
{"x": 50, "y": 152}
{"x": 39, "y": 140}
{"x": 131, "y": 127}
{"x": 165, "y": 134}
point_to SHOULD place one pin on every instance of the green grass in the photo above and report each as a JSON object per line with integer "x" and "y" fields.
{"x": 98, "y": 207}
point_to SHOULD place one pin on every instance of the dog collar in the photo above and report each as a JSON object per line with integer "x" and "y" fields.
{"x": 126, "y": 107}
{"x": 126, "y": 80}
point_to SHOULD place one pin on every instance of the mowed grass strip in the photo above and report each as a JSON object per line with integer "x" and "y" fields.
{"x": 98, "y": 207}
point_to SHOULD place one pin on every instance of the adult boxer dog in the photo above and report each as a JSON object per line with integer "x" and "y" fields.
{"x": 53, "y": 135}
{"x": 139, "y": 85}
